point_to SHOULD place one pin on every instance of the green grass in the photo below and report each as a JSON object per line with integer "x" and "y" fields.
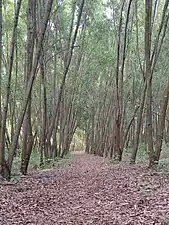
{"x": 142, "y": 155}
{"x": 35, "y": 161}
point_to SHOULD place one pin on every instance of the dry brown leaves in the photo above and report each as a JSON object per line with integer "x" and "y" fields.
{"x": 90, "y": 190}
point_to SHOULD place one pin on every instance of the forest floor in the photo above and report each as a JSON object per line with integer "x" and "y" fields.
{"x": 88, "y": 190}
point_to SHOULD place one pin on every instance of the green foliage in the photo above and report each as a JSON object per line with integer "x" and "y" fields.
{"x": 166, "y": 222}
{"x": 35, "y": 161}
{"x": 142, "y": 154}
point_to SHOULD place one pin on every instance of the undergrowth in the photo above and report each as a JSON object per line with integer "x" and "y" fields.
{"x": 34, "y": 163}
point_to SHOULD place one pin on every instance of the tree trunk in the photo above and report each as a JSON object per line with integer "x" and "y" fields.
{"x": 8, "y": 90}
{"x": 148, "y": 77}
{"x": 31, "y": 82}
{"x": 138, "y": 126}
{"x": 161, "y": 125}
{"x": 68, "y": 62}
{"x": 27, "y": 127}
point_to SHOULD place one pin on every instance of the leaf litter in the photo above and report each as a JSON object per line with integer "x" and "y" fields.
{"x": 89, "y": 190}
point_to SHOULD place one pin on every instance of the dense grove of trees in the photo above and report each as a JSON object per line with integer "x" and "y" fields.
{"x": 98, "y": 67}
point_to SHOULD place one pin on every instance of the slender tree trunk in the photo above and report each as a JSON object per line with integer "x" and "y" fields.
{"x": 128, "y": 127}
{"x": 27, "y": 127}
{"x": 161, "y": 125}
{"x": 117, "y": 113}
{"x": 138, "y": 126}
{"x": 30, "y": 83}
{"x": 2, "y": 150}
{"x": 44, "y": 113}
{"x": 148, "y": 76}
{"x": 68, "y": 62}
{"x": 8, "y": 88}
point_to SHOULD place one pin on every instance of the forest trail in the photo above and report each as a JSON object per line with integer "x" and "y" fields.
{"x": 89, "y": 190}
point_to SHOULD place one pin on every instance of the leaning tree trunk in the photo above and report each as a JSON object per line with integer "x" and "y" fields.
{"x": 2, "y": 150}
{"x": 30, "y": 83}
{"x": 66, "y": 69}
{"x": 155, "y": 155}
{"x": 148, "y": 77}
{"x": 161, "y": 125}
{"x": 6, "y": 171}
{"x": 27, "y": 127}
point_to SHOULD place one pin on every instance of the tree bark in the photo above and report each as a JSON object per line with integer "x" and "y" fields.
{"x": 138, "y": 126}
{"x": 161, "y": 125}
{"x": 68, "y": 62}
{"x": 148, "y": 76}
{"x": 27, "y": 127}
{"x": 8, "y": 88}
{"x": 30, "y": 83}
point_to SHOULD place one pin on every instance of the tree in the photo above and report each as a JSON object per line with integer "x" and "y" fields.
{"x": 4, "y": 167}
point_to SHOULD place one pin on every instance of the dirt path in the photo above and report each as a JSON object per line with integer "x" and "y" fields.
{"x": 90, "y": 190}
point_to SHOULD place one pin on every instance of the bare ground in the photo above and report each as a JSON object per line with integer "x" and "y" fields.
{"x": 89, "y": 190}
